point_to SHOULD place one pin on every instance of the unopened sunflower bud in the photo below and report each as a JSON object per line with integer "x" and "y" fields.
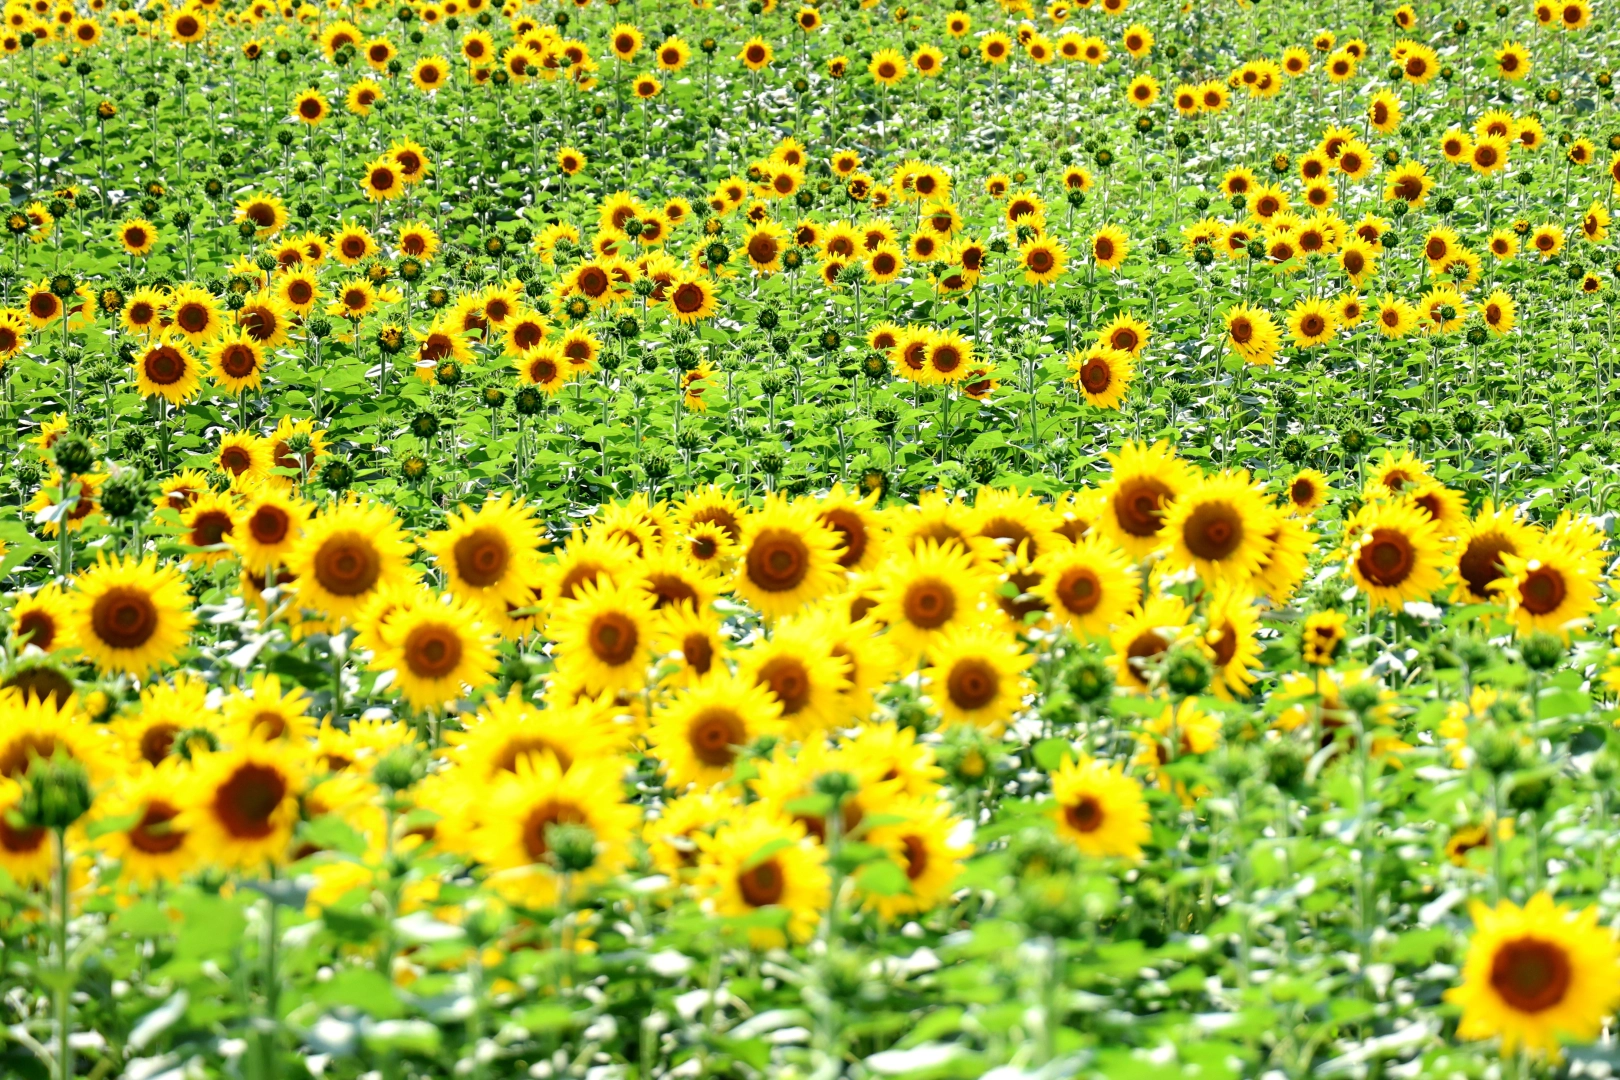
{"x": 56, "y": 793}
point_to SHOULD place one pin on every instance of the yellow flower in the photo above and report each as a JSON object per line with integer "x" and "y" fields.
{"x": 1536, "y": 975}
{"x": 1099, "y": 809}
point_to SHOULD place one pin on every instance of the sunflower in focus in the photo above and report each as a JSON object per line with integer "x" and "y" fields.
{"x": 346, "y": 554}
{"x": 761, "y": 861}
{"x": 130, "y": 615}
{"x": 438, "y": 648}
{"x": 787, "y": 557}
{"x": 927, "y": 591}
{"x": 1549, "y": 588}
{"x": 1394, "y": 553}
{"x": 1253, "y": 334}
{"x": 1218, "y": 525}
{"x": 1102, "y": 375}
{"x": 484, "y": 552}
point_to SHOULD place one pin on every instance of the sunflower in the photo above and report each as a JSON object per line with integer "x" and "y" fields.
{"x": 381, "y": 180}
{"x": 309, "y": 107}
{"x": 1218, "y": 525}
{"x": 484, "y": 553}
{"x": 1547, "y": 240}
{"x": 1536, "y": 975}
{"x": 1145, "y": 482}
{"x": 430, "y": 73}
{"x": 130, "y": 616}
{"x": 918, "y": 835}
{"x": 764, "y": 245}
{"x": 1144, "y": 636}
{"x": 701, "y": 731}
{"x": 268, "y": 523}
{"x": 761, "y": 861}
{"x": 977, "y": 676}
{"x": 241, "y": 805}
{"x": 42, "y": 620}
{"x": 1307, "y": 492}
{"x": 604, "y": 636}
{"x": 508, "y": 730}
{"x": 1102, "y": 375}
{"x": 208, "y": 523}
{"x": 1088, "y": 586}
{"x": 13, "y": 334}
{"x": 691, "y": 298}
{"x": 1548, "y": 588}
{"x": 54, "y": 492}
{"x": 237, "y": 361}
{"x": 927, "y": 591}
{"x": 1142, "y": 91}
{"x": 887, "y": 67}
{"x": 1229, "y": 640}
{"x": 1394, "y": 554}
{"x": 1099, "y": 809}
{"x": 166, "y": 368}
{"x": 801, "y": 673}
{"x": 263, "y": 713}
{"x": 147, "y": 840}
{"x": 137, "y": 235}
{"x": 1478, "y": 551}
{"x": 515, "y": 828}
{"x": 296, "y": 291}
{"x": 346, "y": 554}
{"x": 1253, "y": 334}
{"x": 787, "y": 557}
{"x": 437, "y": 647}
{"x": 756, "y": 54}
{"x": 1489, "y": 155}
{"x": 194, "y": 313}
{"x": 855, "y": 521}
{"x": 1043, "y": 260}
{"x": 267, "y": 213}
{"x": 1311, "y": 322}
{"x": 27, "y": 853}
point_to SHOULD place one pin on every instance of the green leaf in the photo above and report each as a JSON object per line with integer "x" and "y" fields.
{"x": 360, "y": 988}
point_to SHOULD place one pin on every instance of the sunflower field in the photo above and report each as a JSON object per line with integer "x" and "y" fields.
{"x": 729, "y": 538}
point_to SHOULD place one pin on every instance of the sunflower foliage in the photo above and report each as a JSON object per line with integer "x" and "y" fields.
{"x": 750, "y": 540}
